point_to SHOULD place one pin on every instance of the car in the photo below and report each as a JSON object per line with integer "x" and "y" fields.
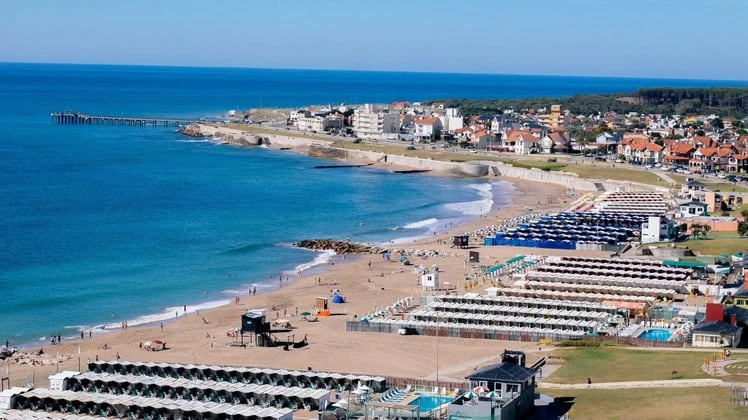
{"x": 601, "y": 158}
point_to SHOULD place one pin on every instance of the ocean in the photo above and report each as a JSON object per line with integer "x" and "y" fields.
{"x": 100, "y": 225}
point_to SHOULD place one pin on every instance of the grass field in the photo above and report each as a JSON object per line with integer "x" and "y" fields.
{"x": 607, "y": 364}
{"x": 718, "y": 243}
{"x": 652, "y": 403}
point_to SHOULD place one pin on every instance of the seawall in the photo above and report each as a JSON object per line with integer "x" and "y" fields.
{"x": 475, "y": 168}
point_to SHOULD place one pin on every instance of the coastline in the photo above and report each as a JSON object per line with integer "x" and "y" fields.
{"x": 202, "y": 336}
{"x": 319, "y": 263}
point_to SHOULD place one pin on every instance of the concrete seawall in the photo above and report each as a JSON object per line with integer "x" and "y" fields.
{"x": 475, "y": 168}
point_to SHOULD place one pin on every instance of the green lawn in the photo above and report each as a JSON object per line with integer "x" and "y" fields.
{"x": 616, "y": 173}
{"x": 652, "y": 403}
{"x": 725, "y": 187}
{"x": 718, "y": 243}
{"x": 608, "y": 364}
{"x": 739, "y": 369}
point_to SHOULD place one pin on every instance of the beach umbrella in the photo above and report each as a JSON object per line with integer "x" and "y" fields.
{"x": 469, "y": 395}
{"x": 305, "y": 313}
{"x": 492, "y": 394}
{"x": 480, "y": 389}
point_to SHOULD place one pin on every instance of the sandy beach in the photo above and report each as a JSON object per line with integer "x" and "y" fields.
{"x": 366, "y": 280}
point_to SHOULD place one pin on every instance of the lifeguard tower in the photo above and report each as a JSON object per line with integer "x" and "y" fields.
{"x": 430, "y": 281}
{"x": 320, "y": 307}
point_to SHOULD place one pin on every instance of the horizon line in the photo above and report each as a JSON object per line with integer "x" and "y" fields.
{"x": 378, "y": 71}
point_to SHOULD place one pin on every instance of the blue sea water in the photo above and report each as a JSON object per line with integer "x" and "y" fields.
{"x": 104, "y": 224}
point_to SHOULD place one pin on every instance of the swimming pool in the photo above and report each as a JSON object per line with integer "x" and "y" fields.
{"x": 427, "y": 403}
{"x": 656, "y": 334}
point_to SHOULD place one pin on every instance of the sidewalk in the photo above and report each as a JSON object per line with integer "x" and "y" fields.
{"x": 716, "y": 369}
{"x": 673, "y": 383}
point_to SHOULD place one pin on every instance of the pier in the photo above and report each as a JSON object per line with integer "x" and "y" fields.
{"x": 80, "y": 118}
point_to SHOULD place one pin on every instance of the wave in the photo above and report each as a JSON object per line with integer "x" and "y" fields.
{"x": 476, "y": 207}
{"x": 168, "y": 314}
{"x": 322, "y": 258}
{"x": 421, "y": 223}
{"x": 195, "y": 140}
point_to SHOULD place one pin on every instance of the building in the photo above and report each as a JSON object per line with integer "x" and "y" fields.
{"x": 715, "y": 334}
{"x": 319, "y": 124}
{"x": 370, "y": 122}
{"x": 692, "y": 209}
{"x": 428, "y": 129}
{"x": 451, "y": 120}
{"x": 657, "y": 229}
{"x": 556, "y": 142}
{"x": 502, "y": 391}
{"x": 607, "y": 140}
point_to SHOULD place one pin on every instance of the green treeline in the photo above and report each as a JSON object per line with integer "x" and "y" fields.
{"x": 719, "y": 101}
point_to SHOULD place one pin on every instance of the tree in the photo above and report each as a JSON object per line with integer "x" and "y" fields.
{"x": 742, "y": 228}
{"x": 698, "y": 230}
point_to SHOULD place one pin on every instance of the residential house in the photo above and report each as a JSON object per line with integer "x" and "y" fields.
{"x": 678, "y": 153}
{"x": 428, "y": 129}
{"x": 556, "y": 142}
{"x": 646, "y": 154}
{"x": 526, "y": 144}
{"x": 710, "y": 159}
{"x": 713, "y": 331}
{"x": 715, "y": 334}
{"x": 717, "y": 201}
{"x": 607, "y": 141}
{"x": 737, "y": 163}
{"x": 692, "y": 209}
{"x": 703, "y": 141}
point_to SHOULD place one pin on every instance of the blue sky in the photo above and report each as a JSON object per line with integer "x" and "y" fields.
{"x": 633, "y": 38}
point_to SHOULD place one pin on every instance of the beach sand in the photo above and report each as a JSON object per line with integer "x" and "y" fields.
{"x": 201, "y": 338}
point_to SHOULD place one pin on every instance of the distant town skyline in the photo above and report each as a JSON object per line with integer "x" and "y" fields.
{"x": 638, "y": 38}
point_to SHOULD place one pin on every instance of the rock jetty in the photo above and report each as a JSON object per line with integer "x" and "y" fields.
{"x": 340, "y": 247}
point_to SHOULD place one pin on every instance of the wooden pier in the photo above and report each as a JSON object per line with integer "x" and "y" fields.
{"x": 79, "y": 118}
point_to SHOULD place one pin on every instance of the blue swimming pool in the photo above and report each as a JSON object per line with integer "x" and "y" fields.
{"x": 656, "y": 334}
{"x": 427, "y": 403}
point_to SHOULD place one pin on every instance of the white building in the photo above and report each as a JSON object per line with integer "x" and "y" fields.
{"x": 428, "y": 128}
{"x": 451, "y": 120}
{"x": 319, "y": 124}
{"x": 657, "y": 229}
{"x": 369, "y": 122}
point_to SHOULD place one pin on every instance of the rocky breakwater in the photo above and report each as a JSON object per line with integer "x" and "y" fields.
{"x": 347, "y": 247}
{"x": 340, "y": 247}
{"x": 226, "y": 135}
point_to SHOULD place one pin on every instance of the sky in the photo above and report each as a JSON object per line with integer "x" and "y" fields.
{"x": 688, "y": 39}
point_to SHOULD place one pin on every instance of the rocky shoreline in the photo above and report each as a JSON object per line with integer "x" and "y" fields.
{"x": 340, "y": 247}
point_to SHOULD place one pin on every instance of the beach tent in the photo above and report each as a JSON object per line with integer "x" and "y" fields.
{"x": 338, "y": 299}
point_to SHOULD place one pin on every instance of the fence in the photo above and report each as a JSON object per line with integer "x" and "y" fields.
{"x": 634, "y": 342}
{"x": 461, "y": 332}
{"x": 447, "y": 387}
{"x": 39, "y": 374}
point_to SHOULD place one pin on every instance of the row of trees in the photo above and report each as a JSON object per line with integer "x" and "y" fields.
{"x": 719, "y": 101}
